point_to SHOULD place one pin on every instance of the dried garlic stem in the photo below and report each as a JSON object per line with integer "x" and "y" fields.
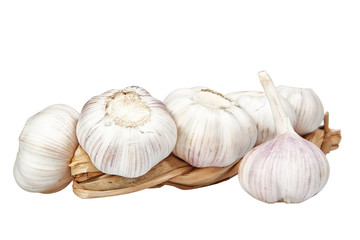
{"x": 282, "y": 122}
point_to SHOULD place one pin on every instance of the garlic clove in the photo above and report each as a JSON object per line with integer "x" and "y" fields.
{"x": 286, "y": 169}
{"x": 307, "y": 105}
{"x": 213, "y": 131}
{"x": 257, "y": 106}
{"x": 46, "y": 145}
{"x": 126, "y": 132}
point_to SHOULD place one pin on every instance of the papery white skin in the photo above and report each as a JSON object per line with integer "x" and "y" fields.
{"x": 307, "y": 105}
{"x": 284, "y": 170}
{"x": 128, "y": 151}
{"x": 46, "y": 145}
{"x": 257, "y": 106}
{"x": 213, "y": 131}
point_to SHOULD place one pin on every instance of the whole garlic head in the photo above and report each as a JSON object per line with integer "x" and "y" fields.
{"x": 278, "y": 171}
{"x": 213, "y": 131}
{"x": 126, "y": 132}
{"x": 46, "y": 145}
{"x": 307, "y": 105}
{"x": 257, "y": 106}
{"x": 286, "y": 169}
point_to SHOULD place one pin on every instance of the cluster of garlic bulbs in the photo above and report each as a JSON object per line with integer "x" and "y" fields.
{"x": 127, "y": 132}
{"x": 257, "y": 106}
{"x": 302, "y": 106}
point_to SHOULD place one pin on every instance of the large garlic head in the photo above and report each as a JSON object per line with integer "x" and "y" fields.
{"x": 46, "y": 145}
{"x": 126, "y": 132}
{"x": 213, "y": 131}
{"x": 307, "y": 105}
{"x": 286, "y": 169}
{"x": 257, "y": 106}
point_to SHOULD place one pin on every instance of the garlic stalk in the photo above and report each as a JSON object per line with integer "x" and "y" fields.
{"x": 213, "y": 131}
{"x": 307, "y": 105}
{"x": 286, "y": 169}
{"x": 46, "y": 145}
{"x": 257, "y": 106}
{"x": 126, "y": 132}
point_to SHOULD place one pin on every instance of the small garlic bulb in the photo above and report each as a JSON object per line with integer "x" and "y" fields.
{"x": 213, "y": 131}
{"x": 257, "y": 106}
{"x": 126, "y": 132}
{"x": 286, "y": 169}
{"x": 307, "y": 105}
{"x": 46, "y": 145}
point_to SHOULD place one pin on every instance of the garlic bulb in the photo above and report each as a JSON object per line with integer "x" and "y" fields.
{"x": 286, "y": 169}
{"x": 46, "y": 145}
{"x": 257, "y": 106}
{"x": 307, "y": 105}
{"x": 213, "y": 131}
{"x": 126, "y": 132}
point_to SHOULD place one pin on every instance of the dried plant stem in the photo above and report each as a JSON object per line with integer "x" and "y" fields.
{"x": 282, "y": 122}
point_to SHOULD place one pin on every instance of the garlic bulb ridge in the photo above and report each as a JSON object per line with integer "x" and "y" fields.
{"x": 257, "y": 106}
{"x": 46, "y": 145}
{"x": 307, "y": 105}
{"x": 126, "y": 132}
{"x": 286, "y": 169}
{"x": 212, "y": 129}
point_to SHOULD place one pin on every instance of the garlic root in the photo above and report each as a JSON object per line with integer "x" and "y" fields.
{"x": 126, "y": 132}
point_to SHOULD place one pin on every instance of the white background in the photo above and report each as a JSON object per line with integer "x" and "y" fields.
{"x": 68, "y": 51}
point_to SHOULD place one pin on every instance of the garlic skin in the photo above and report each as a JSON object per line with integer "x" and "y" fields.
{"x": 257, "y": 106}
{"x": 126, "y": 132}
{"x": 307, "y": 105}
{"x": 278, "y": 171}
{"x": 286, "y": 169}
{"x": 213, "y": 131}
{"x": 46, "y": 145}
